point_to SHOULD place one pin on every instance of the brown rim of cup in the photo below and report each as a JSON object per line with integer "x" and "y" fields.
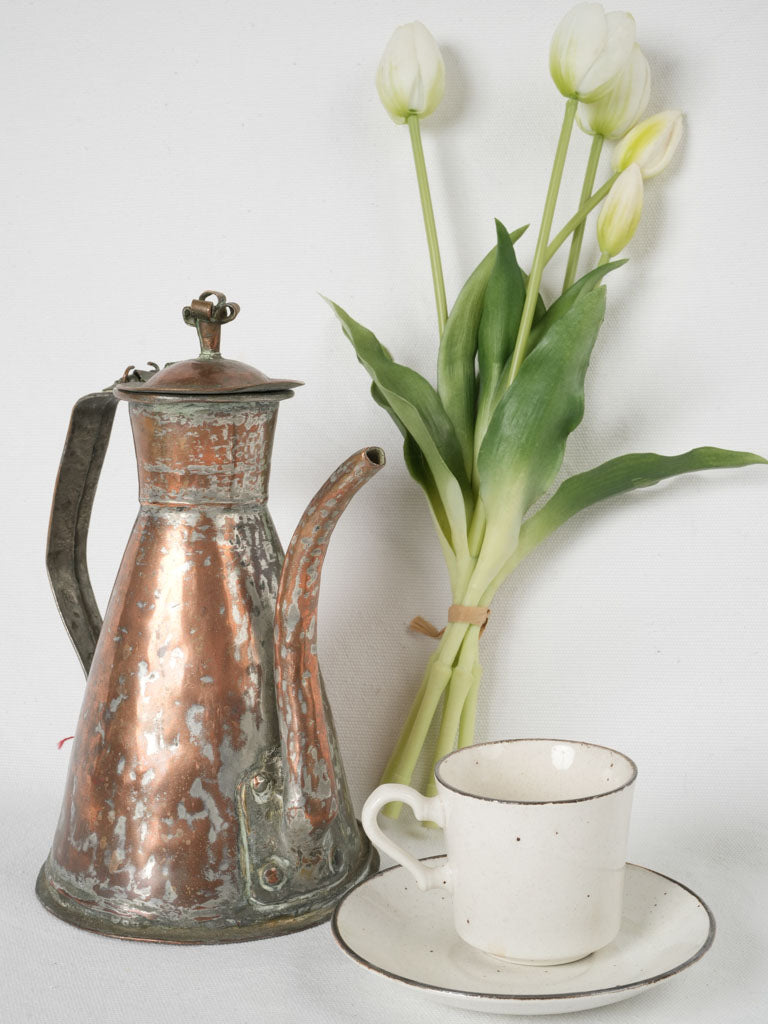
{"x": 532, "y": 803}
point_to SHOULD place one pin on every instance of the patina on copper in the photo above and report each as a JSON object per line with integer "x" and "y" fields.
{"x": 304, "y": 786}
{"x": 206, "y": 800}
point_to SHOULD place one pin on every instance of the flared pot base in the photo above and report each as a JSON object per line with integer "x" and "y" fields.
{"x": 247, "y": 925}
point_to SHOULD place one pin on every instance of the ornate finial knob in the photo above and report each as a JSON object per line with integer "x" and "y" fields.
{"x": 208, "y": 317}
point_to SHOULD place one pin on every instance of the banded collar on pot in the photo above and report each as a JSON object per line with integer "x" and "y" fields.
{"x": 210, "y": 373}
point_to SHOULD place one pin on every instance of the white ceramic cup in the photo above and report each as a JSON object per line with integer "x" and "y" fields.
{"x": 536, "y": 835}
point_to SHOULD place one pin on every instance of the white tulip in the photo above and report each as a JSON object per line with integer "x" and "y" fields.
{"x": 621, "y": 108}
{"x": 411, "y": 74}
{"x": 620, "y": 213}
{"x": 590, "y": 50}
{"x": 651, "y": 144}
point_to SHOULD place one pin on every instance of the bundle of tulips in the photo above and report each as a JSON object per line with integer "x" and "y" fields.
{"x": 487, "y": 442}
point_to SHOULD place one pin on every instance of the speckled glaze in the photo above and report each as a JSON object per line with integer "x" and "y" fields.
{"x": 536, "y": 835}
{"x": 408, "y": 938}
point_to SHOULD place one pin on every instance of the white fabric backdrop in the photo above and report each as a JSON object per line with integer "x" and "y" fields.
{"x": 156, "y": 149}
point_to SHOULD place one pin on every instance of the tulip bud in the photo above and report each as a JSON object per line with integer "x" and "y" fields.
{"x": 651, "y": 144}
{"x": 411, "y": 74}
{"x": 620, "y": 213}
{"x": 616, "y": 112}
{"x": 590, "y": 50}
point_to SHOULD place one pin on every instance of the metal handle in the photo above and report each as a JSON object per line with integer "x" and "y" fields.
{"x": 79, "y": 469}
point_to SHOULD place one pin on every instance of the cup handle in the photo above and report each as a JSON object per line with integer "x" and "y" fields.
{"x": 426, "y": 809}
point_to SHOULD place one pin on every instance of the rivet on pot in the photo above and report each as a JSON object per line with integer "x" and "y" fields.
{"x": 271, "y": 876}
{"x": 258, "y": 783}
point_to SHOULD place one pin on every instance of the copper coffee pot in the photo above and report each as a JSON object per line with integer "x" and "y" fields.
{"x": 206, "y": 798}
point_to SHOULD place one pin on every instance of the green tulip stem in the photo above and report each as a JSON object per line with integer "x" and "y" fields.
{"x": 477, "y": 529}
{"x": 586, "y": 191}
{"x": 579, "y": 217}
{"x": 414, "y": 733}
{"x": 469, "y": 711}
{"x": 429, "y": 221}
{"x": 604, "y": 258}
{"x": 463, "y": 679}
{"x": 540, "y": 253}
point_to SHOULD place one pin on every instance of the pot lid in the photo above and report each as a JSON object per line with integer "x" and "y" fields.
{"x": 210, "y": 373}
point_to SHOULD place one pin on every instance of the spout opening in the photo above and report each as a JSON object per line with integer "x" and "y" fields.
{"x": 376, "y": 456}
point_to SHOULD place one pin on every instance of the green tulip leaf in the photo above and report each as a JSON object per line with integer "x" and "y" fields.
{"x": 502, "y": 308}
{"x": 417, "y": 466}
{"x": 561, "y": 306}
{"x": 456, "y": 382}
{"x": 417, "y": 406}
{"x": 626, "y": 473}
{"x": 524, "y": 445}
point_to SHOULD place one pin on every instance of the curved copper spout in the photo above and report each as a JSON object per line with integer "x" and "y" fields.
{"x": 312, "y": 777}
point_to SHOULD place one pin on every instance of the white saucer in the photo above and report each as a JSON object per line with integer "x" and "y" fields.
{"x": 407, "y": 936}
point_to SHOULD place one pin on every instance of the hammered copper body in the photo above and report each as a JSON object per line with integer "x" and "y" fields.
{"x": 206, "y": 800}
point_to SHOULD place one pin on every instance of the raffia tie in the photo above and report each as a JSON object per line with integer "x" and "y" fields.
{"x": 475, "y": 615}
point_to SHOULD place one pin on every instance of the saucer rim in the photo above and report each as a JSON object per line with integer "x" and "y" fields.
{"x": 516, "y": 997}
